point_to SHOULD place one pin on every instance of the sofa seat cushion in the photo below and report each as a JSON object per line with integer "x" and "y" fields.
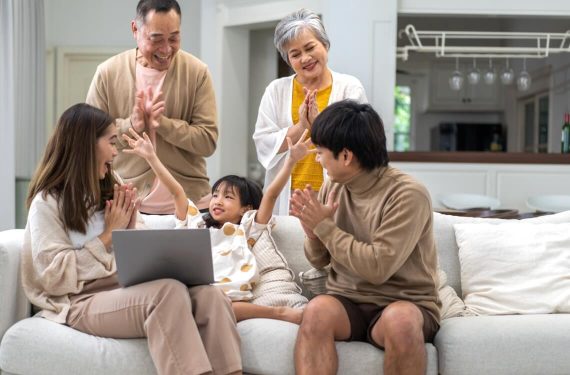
{"x": 39, "y": 346}
{"x": 505, "y": 344}
{"x": 268, "y": 346}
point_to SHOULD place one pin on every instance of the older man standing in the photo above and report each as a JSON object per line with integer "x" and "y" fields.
{"x": 166, "y": 92}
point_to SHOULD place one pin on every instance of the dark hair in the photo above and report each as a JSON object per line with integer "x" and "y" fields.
{"x": 68, "y": 169}
{"x": 159, "y": 6}
{"x": 249, "y": 191}
{"x": 354, "y": 126}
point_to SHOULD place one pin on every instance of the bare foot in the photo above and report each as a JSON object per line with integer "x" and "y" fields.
{"x": 290, "y": 314}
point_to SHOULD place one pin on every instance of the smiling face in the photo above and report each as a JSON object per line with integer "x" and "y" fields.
{"x": 308, "y": 57}
{"x": 225, "y": 205}
{"x": 106, "y": 150}
{"x": 339, "y": 169}
{"x": 158, "y": 38}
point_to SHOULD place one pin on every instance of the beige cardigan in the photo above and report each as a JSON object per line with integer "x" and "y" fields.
{"x": 52, "y": 269}
{"x": 188, "y": 131}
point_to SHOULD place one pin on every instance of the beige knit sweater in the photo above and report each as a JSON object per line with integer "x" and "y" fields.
{"x": 380, "y": 243}
{"x": 52, "y": 269}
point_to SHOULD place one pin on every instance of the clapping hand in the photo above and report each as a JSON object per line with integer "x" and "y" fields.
{"x": 138, "y": 115}
{"x": 119, "y": 211}
{"x": 305, "y": 205}
{"x": 312, "y": 108}
{"x": 308, "y": 110}
{"x": 154, "y": 108}
{"x": 147, "y": 111}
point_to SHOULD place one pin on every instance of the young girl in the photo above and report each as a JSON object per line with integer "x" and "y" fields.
{"x": 238, "y": 215}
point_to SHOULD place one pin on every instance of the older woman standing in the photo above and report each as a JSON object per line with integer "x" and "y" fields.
{"x": 68, "y": 264}
{"x": 289, "y": 105}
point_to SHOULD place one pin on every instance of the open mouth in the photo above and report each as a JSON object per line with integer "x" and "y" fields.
{"x": 108, "y": 167}
{"x": 162, "y": 59}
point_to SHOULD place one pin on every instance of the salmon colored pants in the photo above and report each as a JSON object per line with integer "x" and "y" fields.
{"x": 189, "y": 330}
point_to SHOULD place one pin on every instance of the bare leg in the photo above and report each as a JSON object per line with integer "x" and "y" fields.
{"x": 400, "y": 331}
{"x": 324, "y": 321}
{"x": 246, "y": 310}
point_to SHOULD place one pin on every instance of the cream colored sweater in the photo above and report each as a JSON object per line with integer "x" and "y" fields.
{"x": 188, "y": 131}
{"x": 380, "y": 244}
{"x": 53, "y": 269}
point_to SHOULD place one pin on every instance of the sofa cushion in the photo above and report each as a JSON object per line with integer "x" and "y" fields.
{"x": 516, "y": 344}
{"x": 515, "y": 268}
{"x": 39, "y": 346}
{"x": 268, "y": 348}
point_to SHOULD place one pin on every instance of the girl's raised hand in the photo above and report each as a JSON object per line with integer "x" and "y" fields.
{"x": 141, "y": 146}
{"x": 300, "y": 149}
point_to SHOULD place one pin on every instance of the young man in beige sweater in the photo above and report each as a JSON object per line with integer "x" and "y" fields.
{"x": 373, "y": 225}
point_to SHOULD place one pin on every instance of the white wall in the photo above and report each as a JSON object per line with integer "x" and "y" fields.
{"x": 7, "y": 140}
{"x": 103, "y": 23}
{"x": 263, "y": 61}
{"x": 366, "y": 49}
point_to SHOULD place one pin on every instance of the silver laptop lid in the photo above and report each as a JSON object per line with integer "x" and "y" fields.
{"x": 151, "y": 254}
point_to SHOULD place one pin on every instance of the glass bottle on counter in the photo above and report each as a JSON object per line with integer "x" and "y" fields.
{"x": 566, "y": 134}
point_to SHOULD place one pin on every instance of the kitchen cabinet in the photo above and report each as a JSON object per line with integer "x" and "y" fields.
{"x": 512, "y": 184}
{"x": 480, "y": 97}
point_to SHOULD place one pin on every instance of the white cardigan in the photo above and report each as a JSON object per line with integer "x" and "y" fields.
{"x": 274, "y": 118}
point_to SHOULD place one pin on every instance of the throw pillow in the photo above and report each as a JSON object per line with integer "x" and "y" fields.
{"x": 315, "y": 280}
{"x": 515, "y": 267}
{"x": 451, "y": 305}
{"x": 276, "y": 285}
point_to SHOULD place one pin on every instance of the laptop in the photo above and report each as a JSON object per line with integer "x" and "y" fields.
{"x": 150, "y": 254}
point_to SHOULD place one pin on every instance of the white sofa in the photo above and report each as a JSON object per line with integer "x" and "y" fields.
{"x": 530, "y": 344}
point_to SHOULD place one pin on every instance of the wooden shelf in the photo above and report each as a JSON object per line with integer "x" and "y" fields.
{"x": 479, "y": 157}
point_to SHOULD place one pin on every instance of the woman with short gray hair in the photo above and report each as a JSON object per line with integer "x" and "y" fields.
{"x": 290, "y": 104}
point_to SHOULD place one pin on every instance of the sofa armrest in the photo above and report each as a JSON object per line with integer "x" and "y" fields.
{"x": 14, "y": 305}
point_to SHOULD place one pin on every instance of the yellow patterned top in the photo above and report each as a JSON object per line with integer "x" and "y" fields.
{"x": 307, "y": 170}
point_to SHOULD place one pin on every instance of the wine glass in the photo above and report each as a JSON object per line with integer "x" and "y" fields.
{"x": 507, "y": 75}
{"x": 473, "y": 76}
{"x": 524, "y": 80}
{"x": 489, "y": 75}
{"x": 456, "y": 79}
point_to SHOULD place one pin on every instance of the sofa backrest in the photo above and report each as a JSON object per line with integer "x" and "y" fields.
{"x": 290, "y": 238}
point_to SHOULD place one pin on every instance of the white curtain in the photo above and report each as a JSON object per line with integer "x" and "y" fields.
{"x": 7, "y": 171}
{"x": 29, "y": 83}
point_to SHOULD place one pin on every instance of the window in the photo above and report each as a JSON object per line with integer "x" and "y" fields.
{"x": 403, "y": 116}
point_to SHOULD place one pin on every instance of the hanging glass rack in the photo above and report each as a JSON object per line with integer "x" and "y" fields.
{"x": 446, "y": 44}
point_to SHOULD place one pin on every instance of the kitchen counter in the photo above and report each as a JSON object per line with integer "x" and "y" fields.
{"x": 479, "y": 157}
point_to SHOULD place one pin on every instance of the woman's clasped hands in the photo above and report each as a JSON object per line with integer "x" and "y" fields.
{"x": 308, "y": 110}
